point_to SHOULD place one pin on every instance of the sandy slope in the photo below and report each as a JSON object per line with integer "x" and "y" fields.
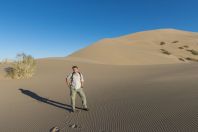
{"x": 130, "y": 86}
{"x": 121, "y": 98}
{"x": 141, "y": 48}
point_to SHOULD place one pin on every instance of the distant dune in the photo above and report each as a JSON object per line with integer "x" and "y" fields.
{"x": 162, "y": 46}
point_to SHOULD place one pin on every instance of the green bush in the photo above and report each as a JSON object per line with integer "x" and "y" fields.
{"x": 23, "y": 67}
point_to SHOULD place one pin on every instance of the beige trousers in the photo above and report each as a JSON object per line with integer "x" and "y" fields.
{"x": 82, "y": 95}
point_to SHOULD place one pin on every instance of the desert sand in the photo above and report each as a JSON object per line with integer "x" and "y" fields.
{"x": 142, "y": 48}
{"x": 130, "y": 86}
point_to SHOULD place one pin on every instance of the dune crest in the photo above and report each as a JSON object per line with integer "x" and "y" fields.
{"x": 162, "y": 46}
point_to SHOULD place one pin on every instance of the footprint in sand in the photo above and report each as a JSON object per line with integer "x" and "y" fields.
{"x": 72, "y": 125}
{"x": 55, "y": 129}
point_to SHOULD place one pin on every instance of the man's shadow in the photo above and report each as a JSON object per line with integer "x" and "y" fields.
{"x": 46, "y": 100}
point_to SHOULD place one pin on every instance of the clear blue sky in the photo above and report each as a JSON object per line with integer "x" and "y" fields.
{"x": 50, "y": 28}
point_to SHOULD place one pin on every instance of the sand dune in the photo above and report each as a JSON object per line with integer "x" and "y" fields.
{"x": 131, "y": 86}
{"x": 141, "y": 48}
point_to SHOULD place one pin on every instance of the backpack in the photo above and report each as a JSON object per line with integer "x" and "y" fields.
{"x": 73, "y": 74}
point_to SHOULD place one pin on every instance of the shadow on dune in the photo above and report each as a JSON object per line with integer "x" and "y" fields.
{"x": 46, "y": 100}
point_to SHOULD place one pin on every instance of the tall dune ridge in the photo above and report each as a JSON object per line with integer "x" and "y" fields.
{"x": 142, "y": 48}
{"x": 143, "y": 82}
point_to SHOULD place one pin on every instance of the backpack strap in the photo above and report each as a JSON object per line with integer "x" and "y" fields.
{"x": 80, "y": 75}
{"x": 73, "y": 75}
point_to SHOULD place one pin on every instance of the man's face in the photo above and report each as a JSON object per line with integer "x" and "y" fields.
{"x": 75, "y": 69}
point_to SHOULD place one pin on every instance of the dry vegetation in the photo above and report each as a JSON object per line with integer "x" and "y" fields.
{"x": 23, "y": 67}
{"x": 175, "y": 41}
{"x": 192, "y": 59}
{"x": 162, "y": 43}
{"x": 165, "y": 52}
{"x": 186, "y": 46}
{"x": 194, "y": 52}
{"x": 181, "y": 59}
{"x": 181, "y": 47}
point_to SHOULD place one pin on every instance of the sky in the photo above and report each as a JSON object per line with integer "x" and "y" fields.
{"x": 57, "y": 28}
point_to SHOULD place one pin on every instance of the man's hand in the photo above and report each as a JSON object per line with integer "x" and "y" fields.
{"x": 81, "y": 84}
{"x": 67, "y": 82}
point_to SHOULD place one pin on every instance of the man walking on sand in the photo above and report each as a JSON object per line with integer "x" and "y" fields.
{"x": 75, "y": 82}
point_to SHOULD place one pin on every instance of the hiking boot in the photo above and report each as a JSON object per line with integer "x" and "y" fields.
{"x": 73, "y": 110}
{"x": 86, "y": 109}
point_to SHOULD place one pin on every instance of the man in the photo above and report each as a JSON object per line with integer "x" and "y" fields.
{"x": 75, "y": 82}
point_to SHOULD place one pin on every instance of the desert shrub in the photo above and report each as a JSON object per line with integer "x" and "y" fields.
{"x": 11, "y": 72}
{"x": 181, "y": 47}
{"x": 181, "y": 59}
{"x": 192, "y": 59}
{"x": 175, "y": 41}
{"x": 23, "y": 67}
{"x": 162, "y": 43}
{"x": 185, "y": 46}
{"x": 194, "y": 52}
{"x": 165, "y": 51}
